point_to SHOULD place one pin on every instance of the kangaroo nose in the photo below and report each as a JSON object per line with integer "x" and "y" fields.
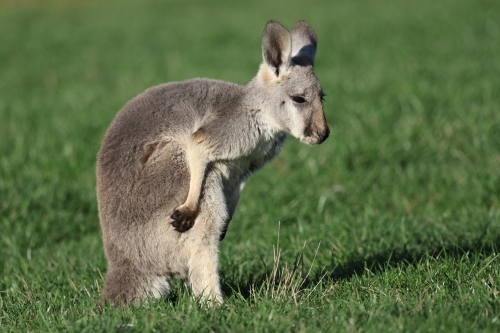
{"x": 323, "y": 134}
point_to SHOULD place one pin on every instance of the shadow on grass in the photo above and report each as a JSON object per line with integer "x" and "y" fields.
{"x": 390, "y": 259}
{"x": 376, "y": 263}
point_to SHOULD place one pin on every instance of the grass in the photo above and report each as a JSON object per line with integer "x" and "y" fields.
{"x": 393, "y": 224}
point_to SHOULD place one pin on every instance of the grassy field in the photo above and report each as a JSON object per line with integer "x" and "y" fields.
{"x": 393, "y": 224}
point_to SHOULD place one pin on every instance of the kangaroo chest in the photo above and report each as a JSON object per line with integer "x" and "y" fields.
{"x": 240, "y": 169}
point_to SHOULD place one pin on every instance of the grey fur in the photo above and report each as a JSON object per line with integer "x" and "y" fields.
{"x": 174, "y": 161}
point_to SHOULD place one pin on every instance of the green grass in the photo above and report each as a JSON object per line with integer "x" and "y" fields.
{"x": 393, "y": 224}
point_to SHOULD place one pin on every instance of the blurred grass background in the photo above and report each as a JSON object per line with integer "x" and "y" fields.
{"x": 404, "y": 197}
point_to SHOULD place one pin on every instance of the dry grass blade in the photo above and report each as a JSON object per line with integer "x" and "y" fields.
{"x": 286, "y": 281}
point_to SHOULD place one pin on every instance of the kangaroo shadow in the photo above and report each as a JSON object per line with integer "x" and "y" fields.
{"x": 375, "y": 263}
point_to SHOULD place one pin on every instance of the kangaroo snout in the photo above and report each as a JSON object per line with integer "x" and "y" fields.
{"x": 323, "y": 134}
{"x": 315, "y": 136}
{"x": 318, "y": 136}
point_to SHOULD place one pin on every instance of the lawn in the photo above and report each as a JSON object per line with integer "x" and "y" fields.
{"x": 393, "y": 224}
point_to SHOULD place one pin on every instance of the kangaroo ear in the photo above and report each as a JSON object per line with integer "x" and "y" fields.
{"x": 276, "y": 46}
{"x": 303, "y": 44}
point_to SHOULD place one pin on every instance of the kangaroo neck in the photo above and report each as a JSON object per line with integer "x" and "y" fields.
{"x": 256, "y": 103}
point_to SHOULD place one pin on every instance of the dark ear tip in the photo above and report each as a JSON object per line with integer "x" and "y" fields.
{"x": 302, "y": 22}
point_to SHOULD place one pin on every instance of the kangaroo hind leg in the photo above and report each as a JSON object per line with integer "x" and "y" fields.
{"x": 125, "y": 284}
{"x": 204, "y": 276}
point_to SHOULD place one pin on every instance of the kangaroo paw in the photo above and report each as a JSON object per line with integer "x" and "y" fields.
{"x": 183, "y": 218}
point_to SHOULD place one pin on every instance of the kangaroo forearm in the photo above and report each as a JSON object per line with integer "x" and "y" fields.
{"x": 197, "y": 161}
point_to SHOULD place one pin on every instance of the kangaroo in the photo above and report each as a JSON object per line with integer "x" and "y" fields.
{"x": 175, "y": 159}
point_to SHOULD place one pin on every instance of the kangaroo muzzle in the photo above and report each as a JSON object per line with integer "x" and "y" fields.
{"x": 314, "y": 136}
{"x": 323, "y": 134}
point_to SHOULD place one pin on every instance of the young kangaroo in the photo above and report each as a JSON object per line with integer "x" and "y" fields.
{"x": 174, "y": 161}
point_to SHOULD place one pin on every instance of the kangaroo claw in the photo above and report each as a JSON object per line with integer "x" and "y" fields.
{"x": 183, "y": 218}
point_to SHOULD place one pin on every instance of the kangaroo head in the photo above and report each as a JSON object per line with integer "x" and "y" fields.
{"x": 293, "y": 93}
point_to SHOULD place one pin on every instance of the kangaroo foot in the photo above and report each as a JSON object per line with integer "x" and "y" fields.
{"x": 183, "y": 218}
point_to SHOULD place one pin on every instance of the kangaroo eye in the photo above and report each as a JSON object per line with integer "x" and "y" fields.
{"x": 298, "y": 99}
